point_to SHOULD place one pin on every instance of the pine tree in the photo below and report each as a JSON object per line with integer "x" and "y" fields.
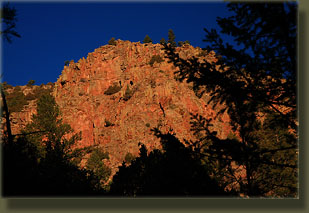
{"x": 257, "y": 78}
{"x": 30, "y": 83}
{"x": 43, "y": 156}
{"x": 171, "y": 38}
{"x": 147, "y": 39}
{"x": 112, "y": 41}
{"x": 96, "y": 165}
{"x": 49, "y": 129}
{"x": 187, "y": 42}
{"x": 8, "y": 19}
{"x": 162, "y": 41}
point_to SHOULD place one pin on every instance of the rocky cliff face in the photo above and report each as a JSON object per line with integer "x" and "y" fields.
{"x": 22, "y": 104}
{"x": 115, "y": 97}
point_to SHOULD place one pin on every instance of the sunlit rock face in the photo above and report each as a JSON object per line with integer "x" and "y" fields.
{"x": 116, "y": 96}
{"x": 19, "y": 120}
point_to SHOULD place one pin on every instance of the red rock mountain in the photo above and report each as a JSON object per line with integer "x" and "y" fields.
{"x": 120, "y": 92}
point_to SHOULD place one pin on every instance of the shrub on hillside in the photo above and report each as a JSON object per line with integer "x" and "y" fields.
{"x": 30, "y": 83}
{"x": 37, "y": 93}
{"x": 129, "y": 157}
{"x": 96, "y": 165}
{"x": 16, "y": 100}
{"x": 155, "y": 58}
{"x": 203, "y": 53}
{"x": 108, "y": 123}
{"x": 112, "y": 89}
{"x": 5, "y": 85}
{"x": 112, "y": 41}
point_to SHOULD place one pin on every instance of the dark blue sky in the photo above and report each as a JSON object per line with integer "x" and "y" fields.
{"x": 52, "y": 33}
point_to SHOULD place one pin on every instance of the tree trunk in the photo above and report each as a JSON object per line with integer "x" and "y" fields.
{"x": 7, "y": 117}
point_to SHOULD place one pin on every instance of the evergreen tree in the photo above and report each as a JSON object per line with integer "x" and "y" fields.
{"x": 147, "y": 39}
{"x": 162, "y": 41}
{"x": 112, "y": 41}
{"x": 43, "y": 156}
{"x": 171, "y": 38}
{"x": 96, "y": 165}
{"x": 181, "y": 43}
{"x": 30, "y": 83}
{"x": 256, "y": 79}
{"x": 50, "y": 129}
{"x": 8, "y": 19}
{"x": 187, "y": 42}
{"x": 173, "y": 171}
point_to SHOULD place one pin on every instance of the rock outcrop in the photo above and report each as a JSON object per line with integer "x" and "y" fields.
{"x": 116, "y": 96}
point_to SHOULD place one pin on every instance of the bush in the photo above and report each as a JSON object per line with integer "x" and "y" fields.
{"x": 30, "y": 83}
{"x": 180, "y": 43}
{"x": 108, "y": 123}
{"x": 129, "y": 157}
{"x": 96, "y": 165}
{"x": 112, "y": 89}
{"x": 5, "y": 85}
{"x": 203, "y": 53}
{"x": 30, "y": 97}
{"x": 112, "y": 41}
{"x": 148, "y": 124}
{"x": 155, "y": 58}
{"x": 39, "y": 92}
{"x": 16, "y": 100}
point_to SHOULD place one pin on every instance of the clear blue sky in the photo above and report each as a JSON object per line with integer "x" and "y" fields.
{"x": 52, "y": 33}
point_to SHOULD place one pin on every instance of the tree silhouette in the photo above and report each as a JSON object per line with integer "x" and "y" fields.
{"x": 147, "y": 39}
{"x": 112, "y": 41}
{"x": 6, "y": 113}
{"x": 255, "y": 79}
{"x": 180, "y": 43}
{"x": 97, "y": 166}
{"x": 171, "y": 38}
{"x": 162, "y": 41}
{"x": 39, "y": 161}
{"x": 8, "y": 18}
{"x": 172, "y": 171}
{"x": 31, "y": 83}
